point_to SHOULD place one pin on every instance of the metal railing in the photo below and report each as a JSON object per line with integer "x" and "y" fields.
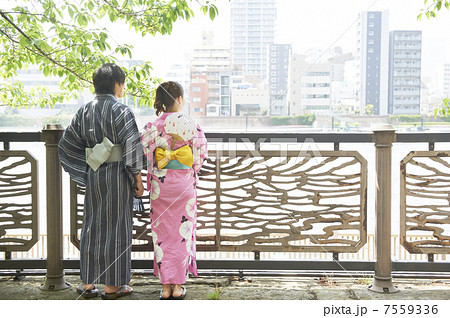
{"x": 270, "y": 210}
{"x": 365, "y": 254}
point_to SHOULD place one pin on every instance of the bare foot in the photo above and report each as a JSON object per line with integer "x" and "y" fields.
{"x": 177, "y": 291}
{"x": 112, "y": 289}
{"x": 167, "y": 290}
{"x": 87, "y": 286}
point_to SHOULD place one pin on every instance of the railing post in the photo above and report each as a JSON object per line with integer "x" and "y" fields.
{"x": 383, "y": 136}
{"x": 54, "y": 279}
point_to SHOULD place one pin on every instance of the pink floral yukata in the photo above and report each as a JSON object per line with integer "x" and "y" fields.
{"x": 173, "y": 198}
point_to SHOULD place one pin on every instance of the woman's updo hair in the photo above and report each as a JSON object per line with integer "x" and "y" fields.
{"x": 106, "y": 77}
{"x": 166, "y": 95}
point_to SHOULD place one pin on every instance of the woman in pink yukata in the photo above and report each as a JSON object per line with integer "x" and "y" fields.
{"x": 175, "y": 147}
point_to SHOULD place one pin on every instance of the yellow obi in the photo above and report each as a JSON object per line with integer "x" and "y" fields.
{"x": 182, "y": 154}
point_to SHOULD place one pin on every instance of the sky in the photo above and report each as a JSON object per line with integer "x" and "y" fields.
{"x": 304, "y": 24}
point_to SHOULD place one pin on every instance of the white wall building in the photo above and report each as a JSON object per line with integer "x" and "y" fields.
{"x": 249, "y": 100}
{"x": 310, "y": 87}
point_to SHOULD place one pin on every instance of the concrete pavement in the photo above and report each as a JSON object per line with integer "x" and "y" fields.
{"x": 147, "y": 287}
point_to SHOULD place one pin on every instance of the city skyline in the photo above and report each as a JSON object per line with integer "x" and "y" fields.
{"x": 332, "y": 24}
{"x": 253, "y": 23}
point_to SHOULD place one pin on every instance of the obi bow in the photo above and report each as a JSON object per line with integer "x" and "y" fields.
{"x": 182, "y": 154}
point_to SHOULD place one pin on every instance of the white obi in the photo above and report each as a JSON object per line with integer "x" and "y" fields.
{"x": 103, "y": 152}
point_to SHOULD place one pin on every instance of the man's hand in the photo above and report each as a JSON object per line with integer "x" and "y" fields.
{"x": 139, "y": 190}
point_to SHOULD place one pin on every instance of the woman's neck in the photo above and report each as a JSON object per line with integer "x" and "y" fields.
{"x": 174, "y": 109}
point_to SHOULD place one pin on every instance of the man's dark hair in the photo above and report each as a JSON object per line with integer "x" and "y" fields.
{"x": 106, "y": 77}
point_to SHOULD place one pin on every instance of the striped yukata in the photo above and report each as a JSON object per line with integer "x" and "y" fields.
{"x": 106, "y": 235}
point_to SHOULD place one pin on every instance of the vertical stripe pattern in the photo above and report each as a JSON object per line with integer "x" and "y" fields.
{"x": 106, "y": 235}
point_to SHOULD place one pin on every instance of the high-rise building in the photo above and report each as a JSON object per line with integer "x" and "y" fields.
{"x": 404, "y": 72}
{"x": 372, "y": 56}
{"x": 211, "y": 60}
{"x": 279, "y": 57}
{"x": 252, "y": 31}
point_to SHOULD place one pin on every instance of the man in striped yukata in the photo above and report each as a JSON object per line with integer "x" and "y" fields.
{"x": 101, "y": 150}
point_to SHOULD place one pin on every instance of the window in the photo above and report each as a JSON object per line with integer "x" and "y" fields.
{"x": 197, "y": 99}
{"x": 196, "y": 89}
{"x": 315, "y": 84}
{"x": 317, "y": 73}
{"x": 198, "y": 110}
{"x": 316, "y": 96}
{"x": 225, "y": 80}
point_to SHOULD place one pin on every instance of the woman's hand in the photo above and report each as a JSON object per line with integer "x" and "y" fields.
{"x": 139, "y": 190}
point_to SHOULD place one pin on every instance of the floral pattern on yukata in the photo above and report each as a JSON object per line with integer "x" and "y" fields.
{"x": 173, "y": 200}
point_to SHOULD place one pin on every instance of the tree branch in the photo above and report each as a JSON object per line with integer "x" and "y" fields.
{"x": 42, "y": 53}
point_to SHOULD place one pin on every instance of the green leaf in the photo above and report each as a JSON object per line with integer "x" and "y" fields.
{"x": 24, "y": 41}
{"x": 70, "y": 12}
{"x": 212, "y": 13}
{"x": 82, "y": 20}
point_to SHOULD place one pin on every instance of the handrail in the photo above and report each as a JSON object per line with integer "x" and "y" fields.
{"x": 321, "y": 137}
{"x": 20, "y": 137}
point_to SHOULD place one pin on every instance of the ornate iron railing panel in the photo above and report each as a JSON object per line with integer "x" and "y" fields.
{"x": 18, "y": 200}
{"x": 270, "y": 201}
{"x": 425, "y": 201}
{"x": 141, "y": 220}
